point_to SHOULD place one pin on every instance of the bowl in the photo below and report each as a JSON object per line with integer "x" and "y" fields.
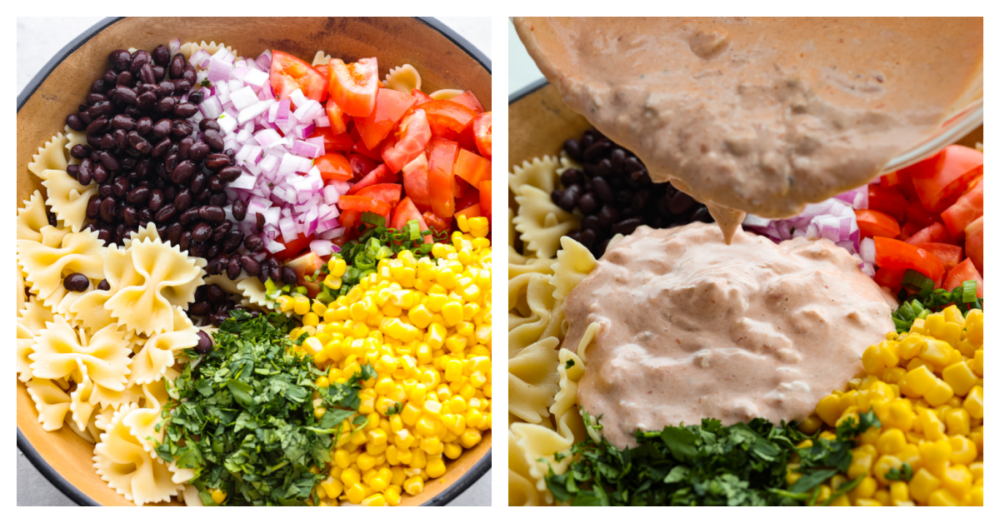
{"x": 540, "y": 122}
{"x": 444, "y": 59}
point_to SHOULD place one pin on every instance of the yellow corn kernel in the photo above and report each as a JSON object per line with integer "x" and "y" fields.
{"x": 891, "y": 441}
{"x": 973, "y": 403}
{"x": 865, "y": 490}
{"x": 934, "y": 456}
{"x": 958, "y": 422}
{"x": 922, "y": 484}
{"x": 883, "y": 498}
{"x": 943, "y": 498}
{"x": 829, "y": 410}
{"x": 410, "y": 414}
{"x": 921, "y": 380}
{"x": 899, "y": 491}
{"x": 884, "y": 464}
{"x": 960, "y": 377}
{"x": 470, "y": 438}
{"x": 392, "y": 496}
{"x": 958, "y": 480}
{"x": 940, "y": 394}
{"x": 435, "y": 467}
{"x": 452, "y": 451}
{"x": 350, "y": 477}
{"x": 413, "y": 486}
{"x": 931, "y": 426}
{"x": 218, "y": 496}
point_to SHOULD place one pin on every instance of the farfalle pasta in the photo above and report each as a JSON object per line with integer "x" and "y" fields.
{"x": 51, "y": 402}
{"x": 541, "y": 223}
{"x": 60, "y": 351}
{"x": 31, "y": 218}
{"x": 533, "y": 381}
{"x": 157, "y": 355}
{"x": 47, "y": 265}
{"x": 52, "y": 156}
{"x": 404, "y": 78}
{"x": 127, "y": 467}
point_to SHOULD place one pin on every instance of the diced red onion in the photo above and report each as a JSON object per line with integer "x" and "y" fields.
{"x": 307, "y": 111}
{"x": 330, "y": 195}
{"x": 332, "y": 234}
{"x": 245, "y": 181}
{"x": 211, "y": 107}
{"x": 254, "y": 110}
{"x": 269, "y": 164}
{"x": 219, "y": 70}
{"x": 222, "y": 91}
{"x": 321, "y": 247}
{"x": 174, "y": 46}
{"x": 274, "y": 247}
{"x": 200, "y": 58}
{"x": 288, "y": 229}
{"x": 227, "y": 122}
{"x": 264, "y": 60}
{"x": 256, "y": 78}
{"x": 298, "y": 98}
{"x": 268, "y": 138}
{"x": 304, "y": 131}
{"x": 284, "y": 113}
{"x": 322, "y": 121}
{"x": 266, "y": 92}
{"x": 306, "y": 149}
{"x": 318, "y": 140}
{"x": 240, "y": 70}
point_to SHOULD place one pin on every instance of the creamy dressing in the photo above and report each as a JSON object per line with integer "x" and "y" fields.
{"x": 761, "y": 115}
{"x": 688, "y": 328}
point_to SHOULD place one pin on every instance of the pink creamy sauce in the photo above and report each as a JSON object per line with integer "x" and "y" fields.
{"x": 761, "y": 115}
{"x": 688, "y": 328}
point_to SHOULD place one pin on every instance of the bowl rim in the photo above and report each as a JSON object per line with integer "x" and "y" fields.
{"x": 968, "y": 119}
{"x": 68, "y": 489}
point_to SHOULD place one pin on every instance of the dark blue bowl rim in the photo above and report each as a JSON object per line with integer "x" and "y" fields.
{"x": 449, "y": 494}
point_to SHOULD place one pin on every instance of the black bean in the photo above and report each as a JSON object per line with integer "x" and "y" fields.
{"x": 233, "y": 240}
{"x": 215, "y": 294}
{"x": 209, "y": 123}
{"x": 569, "y": 198}
{"x": 177, "y": 64}
{"x": 604, "y": 169}
{"x": 681, "y": 203}
{"x": 97, "y": 125}
{"x": 76, "y": 282}
{"x": 196, "y": 97}
{"x": 174, "y": 232}
{"x": 104, "y": 285}
{"x": 624, "y": 198}
{"x": 199, "y": 151}
{"x": 183, "y": 172}
{"x": 165, "y": 105}
{"x": 126, "y": 95}
{"x": 591, "y": 222}
{"x": 254, "y": 243}
{"x": 201, "y": 232}
{"x": 213, "y": 214}
{"x": 107, "y": 209}
{"x": 164, "y": 215}
{"x": 701, "y": 215}
{"x": 181, "y": 128}
{"x": 183, "y": 201}
{"x": 587, "y": 238}
{"x": 140, "y": 58}
{"x": 130, "y": 215}
{"x": 626, "y": 227}
{"x": 234, "y": 268}
{"x": 146, "y": 101}
{"x": 110, "y": 76}
{"x": 608, "y": 216}
{"x": 184, "y": 148}
{"x": 199, "y": 249}
{"x": 218, "y": 318}
{"x": 185, "y": 110}
{"x": 214, "y": 140}
{"x": 216, "y": 184}
{"x": 588, "y": 203}
{"x": 185, "y": 242}
{"x": 597, "y": 151}
{"x": 108, "y": 142}
{"x": 104, "y": 190}
{"x": 288, "y": 276}
{"x": 200, "y": 308}
{"x": 80, "y": 151}
{"x": 189, "y": 75}
{"x": 94, "y": 207}
{"x": 74, "y": 122}
{"x": 189, "y": 216}
{"x": 572, "y": 147}
{"x": 250, "y": 264}
{"x": 603, "y": 189}
{"x": 120, "y": 187}
{"x": 104, "y": 235}
{"x": 216, "y": 162}
{"x": 156, "y": 200}
{"x": 120, "y": 59}
{"x": 571, "y": 177}
{"x": 145, "y": 216}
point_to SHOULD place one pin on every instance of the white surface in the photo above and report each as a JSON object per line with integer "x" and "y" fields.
{"x": 38, "y": 40}
{"x": 523, "y": 71}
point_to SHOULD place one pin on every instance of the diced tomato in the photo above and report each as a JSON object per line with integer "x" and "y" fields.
{"x": 378, "y": 175}
{"x": 473, "y": 168}
{"x": 440, "y": 170}
{"x": 420, "y": 96}
{"x": 908, "y": 230}
{"x": 901, "y": 255}
{"x": 387, "y": 192}
{"x": 887, "y": 200}
{"x": 390, "y": 106}
{"x": 974, "y": 243}
{"x": 469, "y": 100}
{"x": 353, "y": 86}
{"x": 293, "y": 248}
{"x": 484, "y": 134}
{"x": 890, "y": 278}
{"x": 875, "y": 223}
{"x": 361, "y": 165}
{"x": 934, "y": 233}
{"x": 446, "y": 115}
{"x": 334, "y": 142}
{"x": 963, "y": 272}
{"x": 941, "y": 179}
{"x": 333, "y": 166}
{"x": 486, "y": 198}
{"x": 363, "y": 204}
{"x": 473, "y": 211}
{"x": 338, "y": 119}
{"x": 350, "y": 219}
{"x": 411, "y": 138}
{"x": 288, "y": 73}
{"x": 307, "y": 265}
{"x": 323, "y": 69}
{"x": 361, "y": 148}
{"x": 415, "y": 180}
{"x": 906, "y": 188}
{"x": 468, "y": 199}
{"x": 950, "y": 255}
{"x": 892, "y": 179}
{"x": 439, "y": 223}
{"x": 964, "y": 211}
{"x": 915, "y": 213}
{"x": 406, "y": 211}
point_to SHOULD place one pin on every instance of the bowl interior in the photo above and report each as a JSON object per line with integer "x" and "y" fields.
{"x": 394, "y": 41}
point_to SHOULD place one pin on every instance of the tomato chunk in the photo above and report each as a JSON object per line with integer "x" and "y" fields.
{"x": 901, "y": 255}
{"x": 890, "y": 278}
{"x": 875, "y": 223}
{"x": 361, "y": 165}
{"x": 334, "y": 166}
{"x": 338, "y": 119}
{"x": 941, "y": 179}
{"x": 974, "y": 243}
{"x": 412, "y": 136}
{"x": 469, "y": 100}
{"x": 950, "y": 255}
{"x": 406, "y": 211}
{"x": 473, "y": 211}
{"x": 334, "y": 142}
{"x": 378, "y": 175}
{"x": 963, "y": 272}
{"x": 483, "y": 125}
{"x": 390, "y": 106}
{"x": 361, "y": 148}
{"x": 440, "y": 170}
{"x": 887, "y": 200}
{"x": 447, "y": 118}
{"x": 289, "y": 73}
{"x": 293, "y": 247}
{"x": 934, "y": 233}
{"x": 437, "y": 222}
{"x": 363, "y": 204}
{"x": 420, "y": 96}
{"x": 486, "y": 198}
{"x": 472, "y": 168}
{"x": 415, "y": 180}
{"x": 916, "y": 214}
{"x": 387, "y": 192}
{"x": 966, "y": 210}
{"x": 353, "y": 86}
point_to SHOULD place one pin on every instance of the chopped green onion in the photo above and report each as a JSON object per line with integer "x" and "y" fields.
{"x": 968, "y": 291}
{"x": 916, "y": 281}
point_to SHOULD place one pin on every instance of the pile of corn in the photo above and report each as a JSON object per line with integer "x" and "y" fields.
{"x": 926, "y": 387}
{"x": 425, "y": 328}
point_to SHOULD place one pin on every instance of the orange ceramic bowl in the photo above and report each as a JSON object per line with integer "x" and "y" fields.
{"x": 444, "y": 59}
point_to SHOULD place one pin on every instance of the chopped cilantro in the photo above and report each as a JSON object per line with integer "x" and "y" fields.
{"x": 570, "y": 363}
{"x": 395, "y": 409}
{"x": 243, "y": 417}
{"x": 904, "y": 473}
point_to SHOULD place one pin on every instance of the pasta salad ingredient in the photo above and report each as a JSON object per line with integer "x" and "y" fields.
{"x": 425, "y": 326}
{"x": 615, "y": 194}
{"x": 926, "y": 386}
{"x": 245, "y": 418}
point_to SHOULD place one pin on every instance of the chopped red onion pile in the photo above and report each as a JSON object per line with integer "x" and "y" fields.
{"x": 279, "y": 180}
{"x": 833, "y": 219}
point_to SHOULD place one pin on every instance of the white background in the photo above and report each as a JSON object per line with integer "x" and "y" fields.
{"x": 38, "y": 40}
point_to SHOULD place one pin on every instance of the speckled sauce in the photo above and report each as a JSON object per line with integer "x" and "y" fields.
{"x": 688, "y": 328}
{"x": 761, "y": 115}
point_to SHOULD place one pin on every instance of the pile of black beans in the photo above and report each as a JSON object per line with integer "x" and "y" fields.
{"x": 212, "y": 305}
{"x": 151, "y": 165}
{"x": 616, "y": 195}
